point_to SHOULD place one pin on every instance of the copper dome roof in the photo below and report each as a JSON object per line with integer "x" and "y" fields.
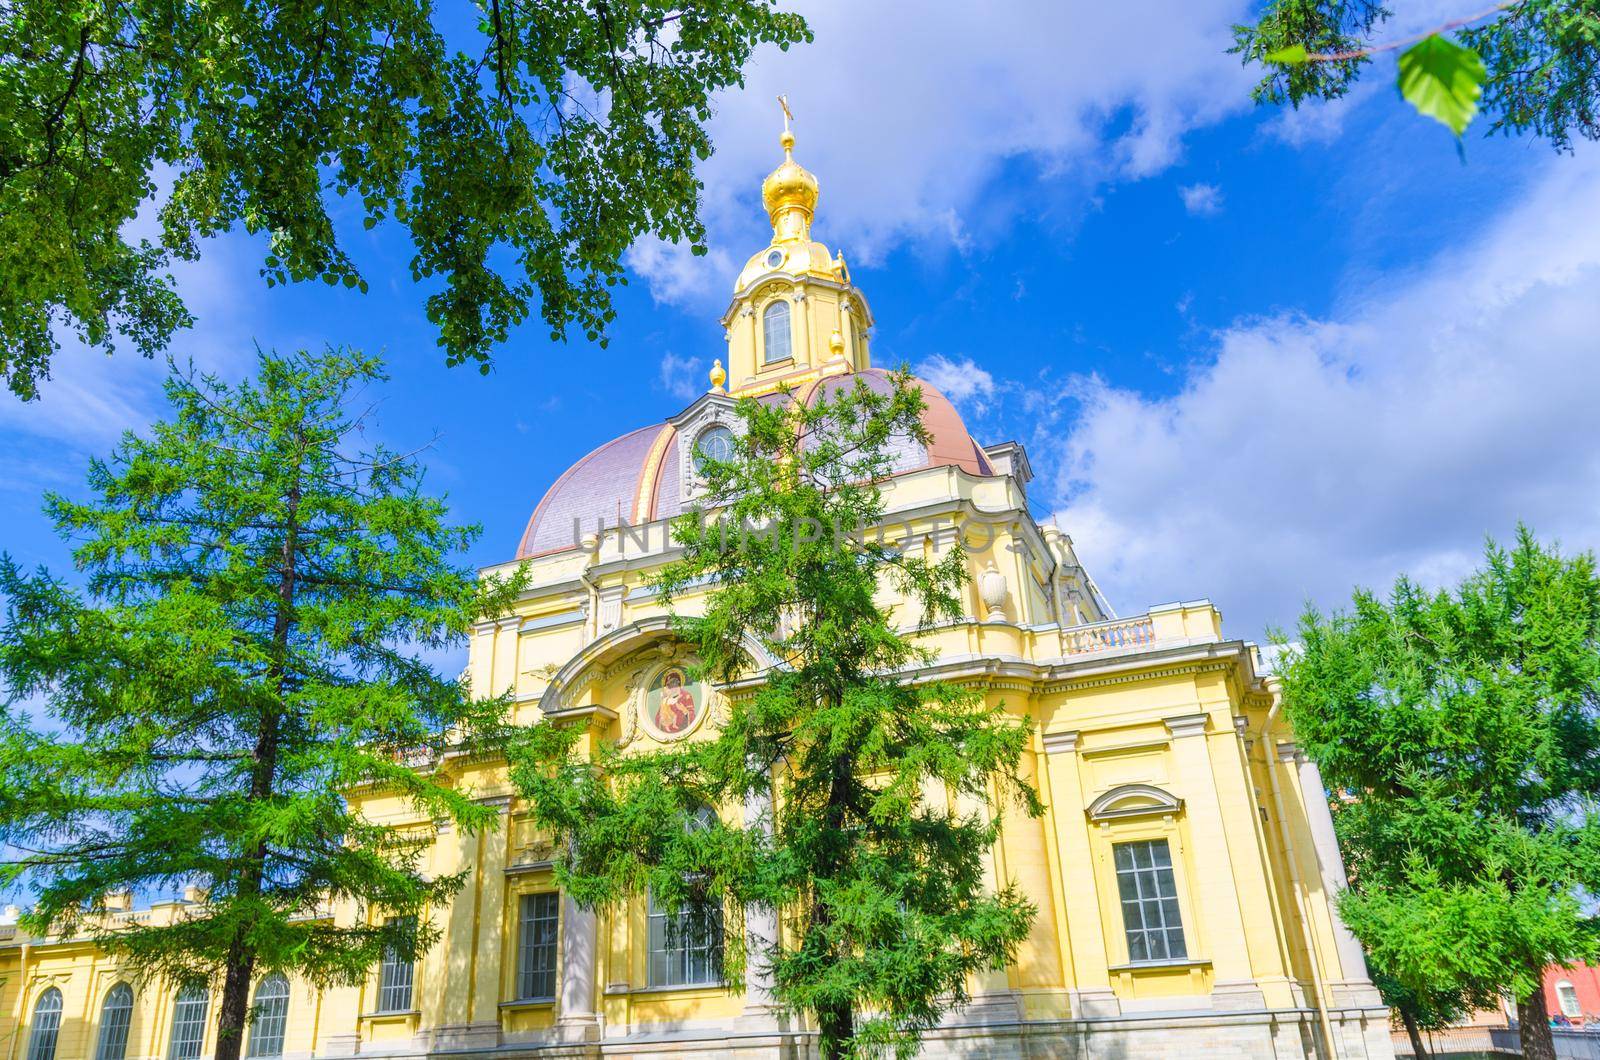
{"x": 634, "y": 479}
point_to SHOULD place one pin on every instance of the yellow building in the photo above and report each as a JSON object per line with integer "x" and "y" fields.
{"x": 1182, "y": 871}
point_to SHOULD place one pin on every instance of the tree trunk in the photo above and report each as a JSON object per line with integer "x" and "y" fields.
{"x": 1534, "y": 1019}
{"x": 836, "y": 1029}
{"x": 234, "y": 1012}
{"x": 836, "y": 1022}
{"x": 235, "y": 1008}
{"x": 1418, "y": 1050}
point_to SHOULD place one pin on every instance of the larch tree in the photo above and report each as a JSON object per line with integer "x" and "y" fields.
{"x": 1462, "y": 729}
{"x": 884, "y": 790}
{"x": 522, "y": 146}
{"x": 249, "y": 642}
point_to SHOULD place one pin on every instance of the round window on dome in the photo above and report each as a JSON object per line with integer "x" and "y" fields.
{"x": 713, "y": 444}
{"x": 774, "y": 258}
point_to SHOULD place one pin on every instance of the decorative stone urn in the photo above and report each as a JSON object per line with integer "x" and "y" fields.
{"x": 992, "y": 590}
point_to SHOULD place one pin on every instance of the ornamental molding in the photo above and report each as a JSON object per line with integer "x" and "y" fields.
{"x": 1134, "y": 800}
{"x": 1061, "y": 742}
{"x": 1185, "y": 725}
{"x": 1146, "y": 672}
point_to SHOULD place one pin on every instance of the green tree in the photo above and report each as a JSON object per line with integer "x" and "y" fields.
{"x": 1532, "y": 65}
{"x": 249, "y": 645}
{"x": 523, "y": 146}
{"x": 889, "y": 788}
{"x": 1419, "y": 1011}
{"x": 1465, "y": 728}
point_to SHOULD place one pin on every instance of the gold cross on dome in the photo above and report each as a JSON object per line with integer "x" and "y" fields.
{"x": 788, "y": 115}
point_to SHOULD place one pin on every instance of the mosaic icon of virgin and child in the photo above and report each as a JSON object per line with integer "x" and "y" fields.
{"x": 673, "y": 701}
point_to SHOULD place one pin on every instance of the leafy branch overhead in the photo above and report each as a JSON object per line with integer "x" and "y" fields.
{"x": 1530, "y": 66}
{"x": 522, "y": 146}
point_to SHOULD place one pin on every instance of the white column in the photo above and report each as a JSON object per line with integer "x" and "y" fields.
{"x": 576, "y": 1015}
{"x": 1352, "y": 961}
{"x": 760, "y": 925}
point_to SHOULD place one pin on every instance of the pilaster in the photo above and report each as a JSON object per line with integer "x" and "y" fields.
{"x": 1217, "y": 895}
{"x": 1091, "y": 989}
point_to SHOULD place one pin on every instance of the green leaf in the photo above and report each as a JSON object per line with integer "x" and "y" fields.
{"x": 1293, "y": 55}
{"x": 1442, "y": 80}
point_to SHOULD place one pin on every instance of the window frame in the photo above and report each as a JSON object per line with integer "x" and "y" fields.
{"x": 187, "y": 998}
{"x": 551, "y": 946}
{"x": 699, "y": 963}
{"x": 107, "y": 1048}
{"x": 696, "y": 448}
{"x": 44, "y": 1026}
{"x": 259, "y": 1017}
{"x": 1564, "y": 988}
{"x": 1164, "y": 904}
{"x": 1129, "y": 813}
{"x": 664, "y": 962}
{"x": 388, "y": 980}
{"x": 767, "y": 311}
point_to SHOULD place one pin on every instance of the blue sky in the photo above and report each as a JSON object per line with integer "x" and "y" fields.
{"x": 1254, "y": 356}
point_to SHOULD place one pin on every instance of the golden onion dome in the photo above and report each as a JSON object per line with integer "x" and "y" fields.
{"x": 790, "y": 191}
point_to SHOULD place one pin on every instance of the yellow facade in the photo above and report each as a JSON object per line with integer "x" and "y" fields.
{"x": 1155, "y": 739}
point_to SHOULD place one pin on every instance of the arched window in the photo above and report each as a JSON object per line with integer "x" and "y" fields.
{"x": 271, "y": 1017}
{"x": 715, "y": 443}
{"x": 46, "y": 1026}
{"x": 1567, "y": 996}
{"x": 775, "y": 333}
{"x": 189, "y": 1022}
{"x": 686, "y": 943}
{"x": 115, "y": 1016}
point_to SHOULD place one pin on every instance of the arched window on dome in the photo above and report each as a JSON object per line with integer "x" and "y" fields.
{"x": 714, "y": 443}
{"x": 115, "y": 1016}
{"x": 775, "y": 338}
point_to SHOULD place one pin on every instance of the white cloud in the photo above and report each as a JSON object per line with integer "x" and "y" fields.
{"x": 963, "y": 382}
{"x": 1201, "y": 200}
{"x": 1313, "y": 455}
{"x": 681, "y": 376}
{"x": 908, "y": 111}
{"x": 1319, "y": 123}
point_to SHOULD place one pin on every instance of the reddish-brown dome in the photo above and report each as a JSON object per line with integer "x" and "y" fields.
{"x": 634, "y": 479}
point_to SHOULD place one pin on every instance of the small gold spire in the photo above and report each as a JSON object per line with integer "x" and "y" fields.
{"x": 718, "y": 376}
{"x": 790, "y": 191}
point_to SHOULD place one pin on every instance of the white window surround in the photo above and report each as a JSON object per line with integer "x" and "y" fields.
{"x": 704, "y": 416}
{"x": 1567, "y": 997}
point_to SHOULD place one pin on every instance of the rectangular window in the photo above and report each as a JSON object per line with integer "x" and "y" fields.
{"x": 1149, "y": 901}
{"x": 394, "y": 979}
{"x": 686, "y": 944}
{"x": 536, "y": 946}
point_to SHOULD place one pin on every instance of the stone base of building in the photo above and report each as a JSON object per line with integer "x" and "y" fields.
{"x": 1280, "y": 1034}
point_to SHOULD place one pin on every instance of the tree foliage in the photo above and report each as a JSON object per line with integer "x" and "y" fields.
{"x": 523, "y": 146}
{"x": 248, "y": 645}
{"x": 1532, "y": 65}
{"x": 1465, "y": 728}
{"x": 886, "y": 790}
